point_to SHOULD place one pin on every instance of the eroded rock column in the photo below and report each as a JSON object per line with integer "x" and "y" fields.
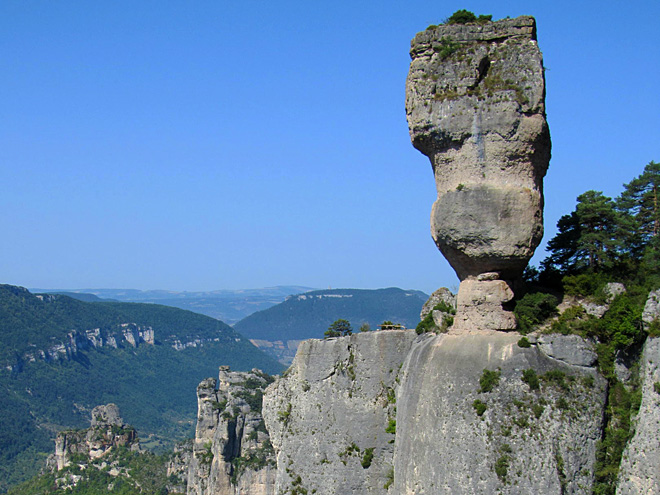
{"x": 475, "y": 103}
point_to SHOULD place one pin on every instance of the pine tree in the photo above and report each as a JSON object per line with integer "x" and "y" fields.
{"x": 587, "y": 237}
{"x": 639, "y": 205}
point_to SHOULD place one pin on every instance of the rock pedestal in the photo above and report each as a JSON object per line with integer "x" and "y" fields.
{"x": 475, "y": 103}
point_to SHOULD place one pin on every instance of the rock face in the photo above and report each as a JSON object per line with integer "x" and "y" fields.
{"x": 232, "y": 453}
{"x": 652, "y": 308}
{"x": 640, "y": 465}
{"x": 106, "y": 415}
{"x": 393, "y": 412}
{"x": 331, "y": 419}
{"x": 513, "y": 438}
{"x": 442, "y": 295}
{"x": 107, "y": 431}
{"x": 475, "y": 102}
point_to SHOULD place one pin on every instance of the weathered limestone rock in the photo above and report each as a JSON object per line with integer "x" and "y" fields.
{"x": 330, "y": 417}
{"x": 106, "y": 415}
{"x": 441, "y": 295}
{"x": 613, "y": 289}
{"x": 231, "y": 453}
{"x": 479, "y": 305}
{"x": 524, "y": 442}
{"x": 570, "y": 349}
{"x": 652, "y": 308}
{"x": 107, "y": 431}
{"x": 640, "y": 465}
{"x": 475, "y": 102}
{"x": 410, "y": 402}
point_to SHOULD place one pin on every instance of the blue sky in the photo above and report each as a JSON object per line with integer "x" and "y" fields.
{"x": 212, "y": 144}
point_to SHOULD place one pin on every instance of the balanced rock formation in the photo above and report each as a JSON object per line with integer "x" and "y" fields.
{"x": 475, "y": 103}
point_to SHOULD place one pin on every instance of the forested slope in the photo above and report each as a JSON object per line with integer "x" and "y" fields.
{"x": 61, "y": 357}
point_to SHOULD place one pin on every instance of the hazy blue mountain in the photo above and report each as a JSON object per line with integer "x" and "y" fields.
{"x": 82, "y": 296}
{"x": 227, "y": 305}
{"x": 277, "y": 330}
{"x": 60, "y": 357}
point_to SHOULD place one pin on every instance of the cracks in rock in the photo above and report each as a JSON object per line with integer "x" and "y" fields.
{"x": 482, "y": 72}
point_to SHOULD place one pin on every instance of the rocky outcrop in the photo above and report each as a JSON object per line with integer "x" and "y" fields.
{"x": 640, "y": 465}
{"x": 477, "y": 414}
{"x": 231, "y": 453}
{"x": 332, "y": 417}
{"x": 442, "y": 295}
{"x": 106, "y": 432}
{"x": 475, "y": 102}
{"x": 107, "y": 415}
{"x": 652, "y": 308}
{"x": 76, "y": 341}
{"x": 393, "y": 412}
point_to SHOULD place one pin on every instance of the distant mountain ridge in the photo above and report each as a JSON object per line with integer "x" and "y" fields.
{"x": 59, "y": 357}
{"x": 228, "y": 305}
{"x": 279, "y": 329}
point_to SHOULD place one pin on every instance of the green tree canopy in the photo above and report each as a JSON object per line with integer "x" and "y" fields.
{"x": 587, "y": 237}
{"x": 639, "y": 204}
{"x": 339, "y": 328}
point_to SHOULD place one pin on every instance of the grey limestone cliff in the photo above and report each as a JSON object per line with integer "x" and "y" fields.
{"x": 475, "y": 102}
{"x": 640, "y": 466}
{"x": 394, "y": 412}
{"x": 232, "y": 453}
{"x": 331, "y": 419}
{"x": 459, "y": 433}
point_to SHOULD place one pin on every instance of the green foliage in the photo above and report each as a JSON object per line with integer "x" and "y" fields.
{"x": 537, "y": 410}
{"x": 339, "y": 328}
{"x": 479, "y": 406}
{"x": 557, "y": 378}
{"x": 656, "y": 387}
{"x": 254, "y": 399}
{"x": 391, "y": 427}
{"x": 653, "y": 329}
{"x": 148, "y": 476}
{"x": 584, "y": 284}
{"x": 531, "y": 379}
{"x": 389, "y": 478}
{"x": 367, "y": 457}
{"x": 489, "y": 380}
{"x": 587, "y": 238}
{"x": 605, "y": 238}
{"x": 285, "y": 415}
{"x": 524, "y": 343}
{"x": 445, "y": 49}
{"x": 622, "y": 403}
{"x": 428, "y": 324}
{"x": 59, "y": 393}
{"x": 575, "y": 320}
{"x": 533, "y": 309}
{"x": 465, "y": 17}
{"x": 639, "y": 203}
{"x": 365, "y": 327}
{"x": 255, "y": 459}
{"x": 502, "y": 467}
{"x": 622, "y": 323}
{"x": 206, "y": 456}
{"x": 462, "y": 17}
